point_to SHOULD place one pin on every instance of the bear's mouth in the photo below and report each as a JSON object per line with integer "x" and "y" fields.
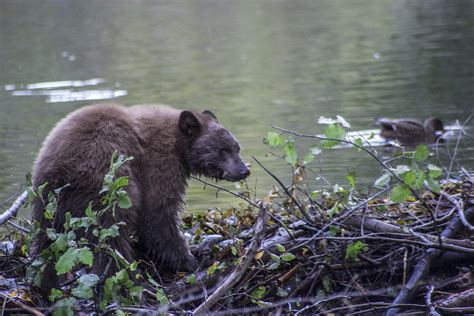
{"x": 232, "y": 178}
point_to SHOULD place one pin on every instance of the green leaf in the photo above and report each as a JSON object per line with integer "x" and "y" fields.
{"x": 64, "y": 307}
{"x": 88, "y": 280}
{"x": 161, "y": 297}
{"x": 40, "y": 189}
{"x": 133, "y": 266}
{"x": 85, "y": 285}
{"x": 409, "y": 177}
{"x": 233, "y": 250}
{"x": 84, "y": 255}
{"x": 355, "y": 248}
{"x": 89, "y": 212}
{"x": 358, "y": 142}
{"x": 287, "y": 257}
{"x": 273, "y": 266}
{"x": 121, "y": 182}
{"x": 259, "y": 292}
{"x": 51, "y": 233}
{"x": 213, "y": 268}
{"x": 55, "y": 295}
{"x": 136, "y": 292}
{"x": 328, "y": 144}
{"x": 60, "y": 244}
{"x": 334, "y": 131}
{"x": 290, "y": 153}
{"x": 434, "y": 171}
{"x": 421, "y": 153}
{"x": 105, "y": 233}
{"x": 382, "y": 180}
{"x": 124, "y": 200}
{"x": 191, "y": 279}
{"x": 420, "y": 177}
{"x": 50, "y": 210}
{"x": 275, "y": 258}
{"x": 274, "y": 139}
{"x": 66, "y": 261}
{"x": 280, "y": 248}
{"x": 121, "y": 277}
{"x": 433, "y": 185}
{"x": 399, "y": 193}
{"x": 351, "y": 177}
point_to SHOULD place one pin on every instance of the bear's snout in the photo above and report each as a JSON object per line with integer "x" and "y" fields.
{"x": 245, "y": 172}
{"x": 235, "y": 171}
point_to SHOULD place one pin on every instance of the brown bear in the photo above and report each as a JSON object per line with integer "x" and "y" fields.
{"x": 168, "y": 145}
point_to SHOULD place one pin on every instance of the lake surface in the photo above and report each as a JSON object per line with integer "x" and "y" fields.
{"x": 252, "y": 63}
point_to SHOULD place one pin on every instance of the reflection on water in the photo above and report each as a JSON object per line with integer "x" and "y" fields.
{"x": 252, "y": 63}
{"x": 66, "y": 95}
{"x": 57, "y": 84}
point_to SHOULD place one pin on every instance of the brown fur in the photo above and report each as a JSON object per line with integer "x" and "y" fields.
{"x": 167, "y": 145}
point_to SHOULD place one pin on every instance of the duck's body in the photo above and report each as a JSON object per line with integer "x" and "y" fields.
{"x": 410, "y": 131}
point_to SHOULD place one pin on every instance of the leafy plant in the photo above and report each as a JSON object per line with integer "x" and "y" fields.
{"x": 72, "y": 248}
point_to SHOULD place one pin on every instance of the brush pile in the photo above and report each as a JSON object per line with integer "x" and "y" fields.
{"x": 370, "y": 256}
{"x": 290, "y": 253}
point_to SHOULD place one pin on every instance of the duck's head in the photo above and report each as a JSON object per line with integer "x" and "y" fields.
{"x": 434, "y": 126}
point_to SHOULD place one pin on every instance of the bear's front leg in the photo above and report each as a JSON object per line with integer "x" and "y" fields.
{"x": 163, "y": 241}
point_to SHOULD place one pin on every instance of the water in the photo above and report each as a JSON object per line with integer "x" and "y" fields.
{"x": 253, "y": 63}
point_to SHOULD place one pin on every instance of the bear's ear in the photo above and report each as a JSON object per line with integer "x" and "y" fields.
{"x": 210, "y": 114}
{"x": 189, "y": 124}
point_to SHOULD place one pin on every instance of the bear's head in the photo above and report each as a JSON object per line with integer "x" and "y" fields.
{"x": 214, "y": 151}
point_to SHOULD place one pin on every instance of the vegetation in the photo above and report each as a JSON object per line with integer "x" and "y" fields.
{"x": 299, "y": 249}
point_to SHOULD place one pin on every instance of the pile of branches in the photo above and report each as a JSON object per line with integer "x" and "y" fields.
{"x": 373, "y": 257}
{"x": 288, "y": 254}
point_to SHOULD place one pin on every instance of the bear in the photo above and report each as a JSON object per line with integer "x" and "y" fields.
{"x": 167, "y": 145}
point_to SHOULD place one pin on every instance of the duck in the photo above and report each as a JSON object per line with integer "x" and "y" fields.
{"x": 410, "y": 131}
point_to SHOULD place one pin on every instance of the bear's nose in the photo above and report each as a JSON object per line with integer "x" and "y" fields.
{"x": 245, "y": 172}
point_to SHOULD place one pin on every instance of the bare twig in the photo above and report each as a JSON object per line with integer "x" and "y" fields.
{"x": 465, "y": 298}
{"x": 20, "y": 228}
{"x": 459, "y": 206}
{"x": 226, "y": 190}
{"x": 429, "y": 301}
{"x": 298, "y": 205}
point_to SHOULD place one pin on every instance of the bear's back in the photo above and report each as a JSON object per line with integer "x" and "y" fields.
{"x": 83, "y": 142}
